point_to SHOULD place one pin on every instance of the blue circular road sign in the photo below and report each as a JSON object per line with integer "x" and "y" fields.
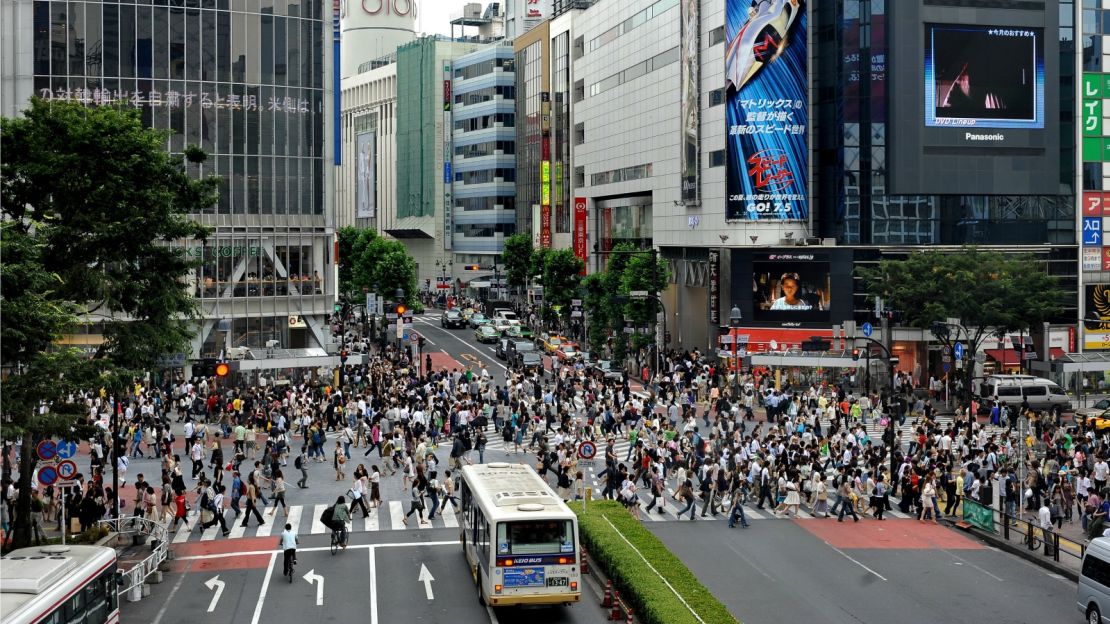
{"x": 48, "y": 475}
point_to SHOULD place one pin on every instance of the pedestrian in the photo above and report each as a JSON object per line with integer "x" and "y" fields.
{"x": 878, "y": 498}
{"x": 339, "y": 460}
{"x": 181, "y": 508}
{"x": 449, "y": 493}
{"x": 686, "y": 494}
{"x": 416, "y": 494}
{"x": 300, "y": 463}
{"x": 358, "y": 491}
{"x": 279, "y": 493}
{"x": 844, "y": 500}
{"x": 434, "y": 489}
{"x": 252, "y": 496}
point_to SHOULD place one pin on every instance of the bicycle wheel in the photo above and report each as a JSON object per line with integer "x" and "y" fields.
{"x": 334, "y": 541}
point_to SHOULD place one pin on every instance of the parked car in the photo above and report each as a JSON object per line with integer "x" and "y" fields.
{"x": 530, "y": 361}
{"x": 551, "y": 342}
{"x": 477, "y": 319}
{"x": 1041, "y": 394}
{"x": 518, "y": 331}
{"x": 605, "y": 369}
{"x": 452, "y": 319}
{"x": 568, "y": 352}
{"x": 485, "y": 333}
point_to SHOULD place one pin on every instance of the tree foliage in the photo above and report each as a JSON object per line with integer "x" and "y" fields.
{"x": 561, "y": 276}
{"x": 608, "y": 302}
{"x": 992, "y": 293}
{"x": 372, "y": 263}
{"x": 517, "y": 259}
{"x": 94, "y": 211}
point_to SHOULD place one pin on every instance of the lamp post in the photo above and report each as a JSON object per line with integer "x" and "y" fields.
{"x": 444, "y": 266}
{"x": 734, "y": 318}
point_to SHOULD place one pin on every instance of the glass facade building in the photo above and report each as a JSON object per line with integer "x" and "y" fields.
{"x": 484, "y": 162}
{"x": 850, "y": 146}
{"x": 245, "y": 81}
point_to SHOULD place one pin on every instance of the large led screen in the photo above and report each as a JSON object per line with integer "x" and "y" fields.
{"x": 984, "y": 76}
{"x": 791, "y": 287}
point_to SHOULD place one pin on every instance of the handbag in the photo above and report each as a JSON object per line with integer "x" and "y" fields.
{"x": 351, "y": 494}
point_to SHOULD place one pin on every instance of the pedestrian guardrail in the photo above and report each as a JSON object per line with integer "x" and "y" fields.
{"x": 131, "y": 582}
{"x": 1016, "y": 528}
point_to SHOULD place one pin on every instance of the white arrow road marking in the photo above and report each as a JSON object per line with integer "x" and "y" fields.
{"x": 426, "y": 578}
{"x": 312, "y": 577}
{"x": 218, "y": 585}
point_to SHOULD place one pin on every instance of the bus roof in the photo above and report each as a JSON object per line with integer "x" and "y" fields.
{"x": 512, "y": 491}
{"x": 28, "y": 575}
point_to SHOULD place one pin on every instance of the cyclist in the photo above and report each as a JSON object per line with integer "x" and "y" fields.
{"x": 288, "y": 544}
{"x": 340, "y": 516}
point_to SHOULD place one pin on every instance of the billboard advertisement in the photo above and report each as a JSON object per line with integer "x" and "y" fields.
{"x": 767, "y": 110}
{"x": 791, "y": 287}
{"x": 365, "y": 181}
{"x": 984, "y": 76}
{"x": 690, "y": 105}
{"x": 1097, "y": 335}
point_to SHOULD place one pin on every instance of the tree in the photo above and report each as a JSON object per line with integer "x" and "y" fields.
{"x": 992, "y": 293}
{"x": 594, "y": 305}
{"x": 517, "y": 259}
{"x": 394, "y": 269}
{"x": 350, "y": 241}
{"x": 94, "y": 211}
{"x": 561, "y": 276}
{"x": 639, "y": 274}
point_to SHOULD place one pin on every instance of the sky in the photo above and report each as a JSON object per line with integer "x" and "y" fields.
{"x": 434, "y": 16}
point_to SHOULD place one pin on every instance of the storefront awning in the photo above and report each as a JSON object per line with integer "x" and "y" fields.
{"x": 1009, "y": 357}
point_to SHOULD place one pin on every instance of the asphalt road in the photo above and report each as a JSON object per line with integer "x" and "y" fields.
{"x": 376, "y": 579}
{"x": 846, "y": 573}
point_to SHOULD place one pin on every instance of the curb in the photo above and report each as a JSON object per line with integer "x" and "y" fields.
{"x": 1034, "y": 557}
{"x": 598, "y": 580}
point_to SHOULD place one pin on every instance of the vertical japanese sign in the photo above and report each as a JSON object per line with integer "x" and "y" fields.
{"x": 767, "y": 110}
{"x": 690, "y": 108}
{"x": 365, "y": 181}
{"x": 1096, "y": 143}
{"x": 337, "y": 92}
{"x": 448, "y": 223}
{"x": 545, "y": 203}
{"x": 714, "y": 288}
{"x": 580, "y": 232}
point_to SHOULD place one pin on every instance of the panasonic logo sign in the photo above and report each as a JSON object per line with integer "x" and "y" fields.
{"x": 971, "y": 136}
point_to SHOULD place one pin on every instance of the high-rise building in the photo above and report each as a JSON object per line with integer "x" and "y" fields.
{"x": 247, "y": 82}
{"x": 373, "y": 30}
{"x": 484, "y": 165}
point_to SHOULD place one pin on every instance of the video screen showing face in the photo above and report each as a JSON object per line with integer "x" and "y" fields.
{"x": 984, "y": 76}
{"x": 790, "y": 290}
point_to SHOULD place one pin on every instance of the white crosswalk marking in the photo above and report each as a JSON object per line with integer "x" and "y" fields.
{"x": 294, "y": 518}
{"x": 317, "y": 526}
{"x": 210, "y": 533}
{"x": 237, "y": 529}
{"x": 397, "y": 515}
{"x": 372, "y": 519}
{"x": 450, "y": 520}
{"x": 183, "y": 532}
{"x": 265, "y": 529}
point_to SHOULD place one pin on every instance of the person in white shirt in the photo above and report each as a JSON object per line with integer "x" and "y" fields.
{"x": 288, "y": 544}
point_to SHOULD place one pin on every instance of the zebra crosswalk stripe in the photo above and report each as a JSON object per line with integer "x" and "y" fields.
{"x": 294, "y": 518}
{"x": 317, "y": 526}
{"x": 397, "y": 515}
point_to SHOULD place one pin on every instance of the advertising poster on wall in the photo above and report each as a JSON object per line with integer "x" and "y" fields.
{"x": 767, "y": 110}
{"x": 690, "y": 104}
{"x": 365, "y": 198}
{"x": 580, "y": 247}
{"x": 1096, "y": 335}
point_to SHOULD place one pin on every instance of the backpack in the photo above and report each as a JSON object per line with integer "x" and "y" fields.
{"x": 328, "y": 514}
{"x": 205, "y": 502}
{"x": 299, "y": 462}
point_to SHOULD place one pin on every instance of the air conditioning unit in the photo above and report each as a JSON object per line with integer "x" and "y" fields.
{"x": 814, "y": 240}
{"x": 271, "y": 344}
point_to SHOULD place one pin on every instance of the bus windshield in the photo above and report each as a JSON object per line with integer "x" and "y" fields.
{"x": 535, "y": 537}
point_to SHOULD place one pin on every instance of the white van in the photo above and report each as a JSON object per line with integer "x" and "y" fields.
{"x": 1042, "y": 394}
{"x": 1093, "y": 596}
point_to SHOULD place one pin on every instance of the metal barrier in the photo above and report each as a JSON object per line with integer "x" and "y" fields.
{"x": 1031, "y": 535}
{"x": 131, "y": 581}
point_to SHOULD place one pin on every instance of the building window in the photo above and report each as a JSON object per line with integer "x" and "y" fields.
{"x": 579, "y": 133}
{"x": 626, "y": 174}
{"x": 716, "y": 97}
{"x": 717, "y": 35}
{"x": 639, "y": 69}
{"x": 717, "y": 158}
{"x": 579, "y": 90}
{"x": 579, "y": 176}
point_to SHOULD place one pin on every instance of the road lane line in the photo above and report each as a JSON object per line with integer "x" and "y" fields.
{"x": 849, "y": 558}
{"x": 454, "y": 543}
{"x": 373, "y": 586}
{"x": 294, "y": 518}
{"x": 169, "y": 599}
{"x": 955, "y": 556}
{"x": 317, "y": 526}
{"x": 265, "y": 586}
{"x": 470, "y": 346}
{"x": 449, "y": 519}
{"x": 396, "y": 515}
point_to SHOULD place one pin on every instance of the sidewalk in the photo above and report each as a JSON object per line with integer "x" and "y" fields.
{"x": 1073, "y": 543}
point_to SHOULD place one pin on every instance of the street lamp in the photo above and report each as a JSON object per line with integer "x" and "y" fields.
{"x": 734, "y": 318}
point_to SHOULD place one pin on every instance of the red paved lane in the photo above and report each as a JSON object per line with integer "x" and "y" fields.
{"x": 893, "y": 533}
{"x": 442, "y": 359}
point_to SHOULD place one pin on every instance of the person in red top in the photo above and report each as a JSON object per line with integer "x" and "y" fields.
{"x": 180, "y": 509}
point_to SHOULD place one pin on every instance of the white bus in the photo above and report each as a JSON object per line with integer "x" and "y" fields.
{"x": 59, "y": 585}
{"x": 520, "y": 539}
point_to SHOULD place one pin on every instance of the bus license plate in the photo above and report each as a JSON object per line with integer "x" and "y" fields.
{"x": 557, "y": 581}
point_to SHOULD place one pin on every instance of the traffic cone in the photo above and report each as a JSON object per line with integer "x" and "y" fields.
{"x": 607, "y": 599}
{"x": 615, "y": 609}
{"x": 629, "y": 620}
{"x": 585, "y": 565}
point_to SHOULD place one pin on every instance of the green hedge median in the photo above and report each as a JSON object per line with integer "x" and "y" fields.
{"x": 653, "y": 601}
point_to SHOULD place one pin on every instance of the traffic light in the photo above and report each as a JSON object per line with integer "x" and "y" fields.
{"x": 855, "y": 355}
{"x": 420, "y": 343}
{"x": 222, "y": 369}
{"x": 401, "y": 309}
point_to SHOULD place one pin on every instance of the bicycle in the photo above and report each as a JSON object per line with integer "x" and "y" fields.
{"x": 338, "y": 539}
{"x": 290, "y": 561}
{"x": 1032, "y": 536}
